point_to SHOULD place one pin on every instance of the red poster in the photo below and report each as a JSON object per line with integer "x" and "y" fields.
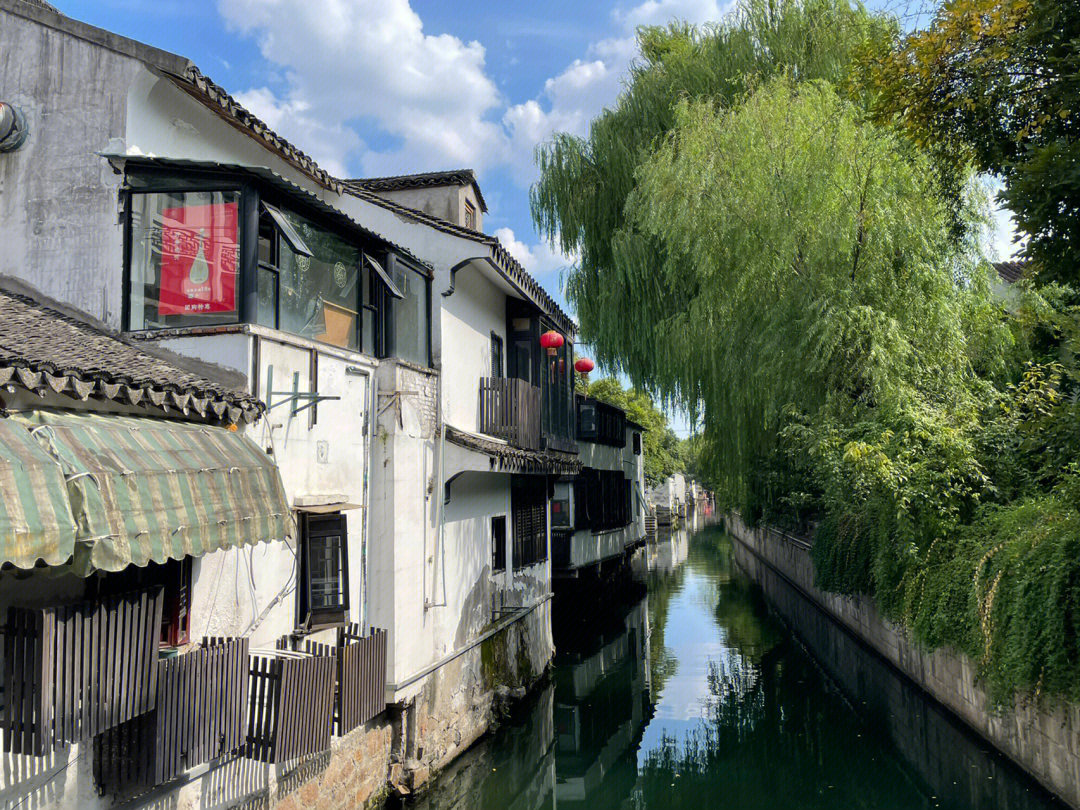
{"x": 198, "y": 259}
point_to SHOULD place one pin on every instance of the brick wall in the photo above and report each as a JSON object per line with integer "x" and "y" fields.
{"x": 1044, "y": 741}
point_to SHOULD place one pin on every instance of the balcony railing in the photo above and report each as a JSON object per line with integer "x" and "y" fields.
{"x": 510, "y": 410}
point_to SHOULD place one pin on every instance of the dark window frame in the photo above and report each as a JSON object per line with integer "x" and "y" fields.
{"x": 497, "y": 368}
{"x": 175, "y": 575}
{"x": 603, "y": 500}
{"x": 528, "y": 510}
{"x": 498, "y": 544}
{"x": 253, "y": 193}
{"x": 326, "y": 527}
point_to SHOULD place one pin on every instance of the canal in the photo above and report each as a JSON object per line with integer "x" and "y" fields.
{"x": 690, "y": 686}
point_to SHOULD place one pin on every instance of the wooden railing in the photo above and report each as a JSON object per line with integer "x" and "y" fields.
{"x": 360, "y": 671}
{"x": 74, "y": 671}
{"x": 510, "y": 410}
{"x": 291, "y": 710}
{"x": 198, "y": 716}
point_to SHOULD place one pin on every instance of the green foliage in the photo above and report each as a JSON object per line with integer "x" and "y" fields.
{"x": 759, "y": 248}
{"x": 997, "y": 82}
{"x": 580, "y": 199}
{"x": 660, "y": 445}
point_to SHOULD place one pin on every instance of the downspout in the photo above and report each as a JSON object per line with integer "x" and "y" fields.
{"x": 369, "y": 473}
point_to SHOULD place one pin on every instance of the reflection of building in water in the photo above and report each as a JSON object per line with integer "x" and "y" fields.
{"x": 669, "y": 551}
{"x": 601, "y": 707}
{"x": 513, "y": 770}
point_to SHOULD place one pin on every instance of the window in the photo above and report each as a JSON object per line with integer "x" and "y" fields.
{"x": 602, "y": 500}
{"x": 498, "y": 543}
{"x": 496, "y": 355}
{"x": 410, "y": 324}
{"x": 637, "y": 443}
{"x": 324, "y": 576}
{"x": 184, "y": 259}
{"x": 175, "y": 577}
{"x": 309, "y": 280}
{"x": 200, "y": 253}
{"x": 560, "y": 505}
{"x": 470, "y": 215}
{"x": 600, "y": 422}
{"x": 528, "y": 505}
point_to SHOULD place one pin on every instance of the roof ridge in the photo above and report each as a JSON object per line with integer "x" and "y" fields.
{"x": 514, "y": 267}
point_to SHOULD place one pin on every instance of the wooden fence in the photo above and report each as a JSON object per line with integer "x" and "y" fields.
{"x": 74, "y": 671}
{"x": 361, "y": 677}
{"x": 510, "y": 410}
{"x": 198, "y": 716}
{"x": 359, "y": 670}
{"x": 291, "y": 706}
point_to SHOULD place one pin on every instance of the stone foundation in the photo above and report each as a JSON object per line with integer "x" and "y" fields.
{"x": 1044, "y": 742}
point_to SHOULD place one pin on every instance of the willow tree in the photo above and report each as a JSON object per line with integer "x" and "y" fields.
{"x": 580, "y": 199}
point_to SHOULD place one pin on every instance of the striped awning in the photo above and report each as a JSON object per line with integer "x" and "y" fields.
{"x": 140, "y": 489}
{"x": 35, "y": 514}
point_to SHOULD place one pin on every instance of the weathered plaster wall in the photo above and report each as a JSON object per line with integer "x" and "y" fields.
{"x": 1044, "y": 742}
{"x": 58, "y": 200}
{"x": 469, "y": 316}
{"x": 445, "y": 202}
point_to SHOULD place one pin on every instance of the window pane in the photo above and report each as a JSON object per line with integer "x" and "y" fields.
{"x": 268, "y": 298}
{"x": 411, "y": 316}
{"x": 370, "y": 311}
{"x": 319, "y": 295}
{"x": 324, "y": 578}
{"x": 184, "y": 249}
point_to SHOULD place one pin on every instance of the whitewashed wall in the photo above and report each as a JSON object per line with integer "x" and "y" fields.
{"x": 469, "y": 317}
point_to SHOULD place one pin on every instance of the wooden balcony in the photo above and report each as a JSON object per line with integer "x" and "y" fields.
{"x": 510, "y": 410}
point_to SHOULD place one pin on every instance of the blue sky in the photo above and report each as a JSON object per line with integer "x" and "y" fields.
{"x": 372, "y": 87}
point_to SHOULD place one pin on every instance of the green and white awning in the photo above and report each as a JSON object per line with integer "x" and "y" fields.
{"x": 129, "y": 489}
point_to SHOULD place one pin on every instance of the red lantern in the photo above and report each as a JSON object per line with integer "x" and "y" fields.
{"x": 552, "y": 341}
{"x": 583, "y": 366}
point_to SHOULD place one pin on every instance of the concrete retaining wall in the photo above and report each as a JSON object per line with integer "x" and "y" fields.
{"x": 1044, "y": 742}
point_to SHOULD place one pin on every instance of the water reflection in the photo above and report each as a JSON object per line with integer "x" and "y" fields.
{"x": 688, "y": 685}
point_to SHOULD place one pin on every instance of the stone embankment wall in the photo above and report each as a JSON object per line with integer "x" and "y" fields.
{"x": 1045, "y": 742}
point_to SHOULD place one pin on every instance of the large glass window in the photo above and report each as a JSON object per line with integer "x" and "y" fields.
{"x": 411, "y": 314}
{"x": 184, "y": 267}
{"x": 188, "y": 267}
{"x": 317, "y": 296}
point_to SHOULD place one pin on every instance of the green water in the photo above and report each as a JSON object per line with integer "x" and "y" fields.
{"x": 689, "y": 686}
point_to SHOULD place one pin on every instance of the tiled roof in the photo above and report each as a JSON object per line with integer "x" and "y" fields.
{"x": 455, "y": 177}
{"x": 505, "y": 458}
{"x": 47, "y": 346}
{"x": 1010, "y": 272}
{"x": 214, "y": 96}
{"x": 510, "y": 267}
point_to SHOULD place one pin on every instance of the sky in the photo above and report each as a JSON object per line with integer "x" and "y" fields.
{"x": 377, "y": 87}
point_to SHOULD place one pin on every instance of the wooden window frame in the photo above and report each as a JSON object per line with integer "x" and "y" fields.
{"x": 315, "y": 528}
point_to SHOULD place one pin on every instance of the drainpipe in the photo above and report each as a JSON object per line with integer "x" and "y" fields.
{"x": 369, "y": 442}
{"x": 437, "y": 493}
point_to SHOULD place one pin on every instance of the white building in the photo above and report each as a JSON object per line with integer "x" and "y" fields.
{"x": 416, "y": 422}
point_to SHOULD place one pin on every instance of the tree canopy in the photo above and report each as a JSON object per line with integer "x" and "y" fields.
{"x": 765, "y": 243}
{"x": 997, "y": 83}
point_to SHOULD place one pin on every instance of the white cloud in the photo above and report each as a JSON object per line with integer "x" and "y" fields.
{"x": 370, "y": 59}
{"x": 577, "y": 95}
{"x": 660, "y": 12}
{"x": 538, "y": 259}
{"x": 424, "y": 101}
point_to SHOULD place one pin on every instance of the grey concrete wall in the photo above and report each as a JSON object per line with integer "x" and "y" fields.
{"x": 1044, "y": 741}
{"x": 58, "y": 199}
